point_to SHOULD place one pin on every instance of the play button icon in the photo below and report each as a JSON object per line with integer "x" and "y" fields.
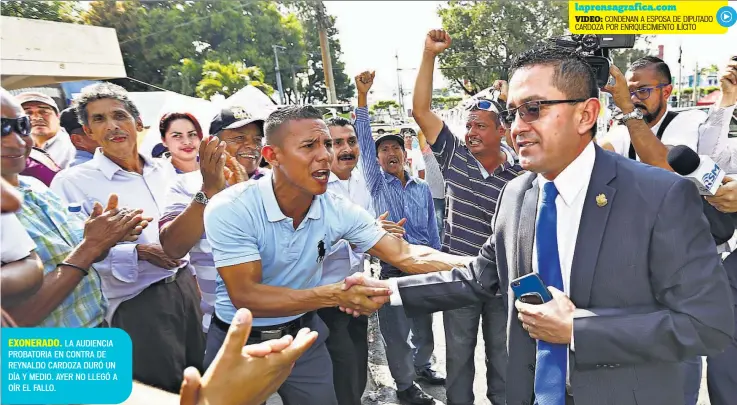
{"x": 726, "y": 16}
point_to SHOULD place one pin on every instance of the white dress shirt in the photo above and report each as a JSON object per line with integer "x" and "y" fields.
{"x": 15, "y": 244}
{"x": 572, "y": 184}
{"x": 716, "y": 144}
{"x": 123, "y": 275}
{"x": 685, "y": 129}
{"x": 342, "y": 261}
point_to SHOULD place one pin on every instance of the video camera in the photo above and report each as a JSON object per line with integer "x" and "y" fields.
{"x": 595, "y": 49}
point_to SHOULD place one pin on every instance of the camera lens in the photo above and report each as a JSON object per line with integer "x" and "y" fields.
{"x": 515, "y": 283}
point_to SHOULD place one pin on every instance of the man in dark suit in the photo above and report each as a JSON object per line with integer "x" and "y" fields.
{"x": 628, "y": 243}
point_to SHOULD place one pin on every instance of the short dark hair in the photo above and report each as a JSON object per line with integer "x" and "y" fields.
{"x": 285, "y": 115}
{"x": 656, "y": 63}
{"x": 101, "y": 91}
{"x": 339, "y": 122}
{"x": 572, "y": 75}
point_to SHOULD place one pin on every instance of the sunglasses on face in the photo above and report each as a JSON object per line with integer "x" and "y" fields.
{"x": 644, "y": 93}
{"x": 21, "y": 126}
{"x": 530, "y": 111}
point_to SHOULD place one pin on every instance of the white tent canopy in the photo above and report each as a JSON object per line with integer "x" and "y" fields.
{"x": 153, "y": 105}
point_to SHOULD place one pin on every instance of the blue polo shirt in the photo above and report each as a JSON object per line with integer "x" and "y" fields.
{"x": 244, "y": 224}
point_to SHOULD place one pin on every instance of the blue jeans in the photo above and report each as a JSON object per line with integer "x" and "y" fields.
{"x": 408, "y": 343}
{"x": 461, "y": 331}
{"x": 440, "y": 215}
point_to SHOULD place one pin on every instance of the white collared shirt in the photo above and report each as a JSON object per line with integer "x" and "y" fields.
{"x": 342, "y": 261}
{"x": 572, "y": 184}
{"x": 123, "y": 275}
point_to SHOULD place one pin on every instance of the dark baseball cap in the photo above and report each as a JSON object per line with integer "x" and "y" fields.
{"x": 68, "y": 120}
{"x": 389, "y": 137}
{"x": 232, "y": 118}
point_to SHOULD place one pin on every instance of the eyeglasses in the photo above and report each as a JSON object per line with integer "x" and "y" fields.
{"x": 530, "y": 111}
{"x": 22, "y": 126}
{"x": 644, "y": 93}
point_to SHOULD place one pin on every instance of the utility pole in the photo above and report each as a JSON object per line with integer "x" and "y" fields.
{"x": 400, "y": 91}
{"x": 327, "y": 63}
{"x": 696, "y": 77}
{"x": 294, "y": 86}
{"x": 278, "y": 72}
{"x": 680, "y": 76}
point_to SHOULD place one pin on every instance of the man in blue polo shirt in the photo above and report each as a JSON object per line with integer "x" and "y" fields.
{"x": 269, "y": 238}
{"x": 475, "y": 171}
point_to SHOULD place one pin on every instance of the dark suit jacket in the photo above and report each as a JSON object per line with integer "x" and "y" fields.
{"x": 646, "y": 277}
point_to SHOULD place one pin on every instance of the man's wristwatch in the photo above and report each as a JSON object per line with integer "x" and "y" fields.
{"x": 201, "y": 198}
{"x": 636, "y": 114}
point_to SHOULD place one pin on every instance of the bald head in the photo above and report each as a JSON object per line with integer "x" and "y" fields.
{"x": 10, "y": 106}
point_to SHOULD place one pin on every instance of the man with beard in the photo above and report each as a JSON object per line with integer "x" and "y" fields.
{"x": 46, "y": 129}
{"x": 405, "y": 198}
{"x": 475, "y": 171}
{"x": 648, "y": 127}
{"x": 153, "y": 297}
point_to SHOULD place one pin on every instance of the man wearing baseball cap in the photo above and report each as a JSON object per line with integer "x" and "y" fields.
{"x": 84, "y": 144}
{"x": 243, "y": 135}
{"x": 45, "y": 129}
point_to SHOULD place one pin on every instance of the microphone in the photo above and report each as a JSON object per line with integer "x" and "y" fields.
{"x": 701, "y": 170}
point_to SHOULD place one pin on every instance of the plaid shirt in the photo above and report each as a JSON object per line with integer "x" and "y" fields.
{"x": 56, "y": 233}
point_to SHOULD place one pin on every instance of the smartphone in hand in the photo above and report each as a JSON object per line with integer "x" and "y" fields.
{"x": 530, "y": 289}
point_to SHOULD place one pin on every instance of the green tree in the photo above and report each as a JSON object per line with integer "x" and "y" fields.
{"x": 183, "y": 78}
{"x": 227, "y": 79}
{"x": 487, "y": 34}
{"x": 444, "y": 102}
{"x": 384, "y": 106}
{"x": 156, "y": 36}
{"x": 60, "y": 11}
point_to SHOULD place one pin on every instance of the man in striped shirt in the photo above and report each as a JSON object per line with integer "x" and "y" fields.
{"x": 475, "y": 171}
{"x": 406, "y": 198}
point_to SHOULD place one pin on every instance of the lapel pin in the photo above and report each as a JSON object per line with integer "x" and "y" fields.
{"x": 601, "y": 200}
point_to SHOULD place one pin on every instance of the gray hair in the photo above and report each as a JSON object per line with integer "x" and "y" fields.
{"x": 101, "y": 91}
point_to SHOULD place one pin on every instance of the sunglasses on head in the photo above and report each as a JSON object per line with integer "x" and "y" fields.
{"x": 485, "y": 103}
{"x": 21, "y": 126}
{"x": 530, "y": 111}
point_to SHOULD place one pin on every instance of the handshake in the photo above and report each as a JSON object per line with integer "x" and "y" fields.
{"x": 360, "y": 295}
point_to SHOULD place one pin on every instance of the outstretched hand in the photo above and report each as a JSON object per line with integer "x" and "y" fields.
{"x": 256, "y": 370}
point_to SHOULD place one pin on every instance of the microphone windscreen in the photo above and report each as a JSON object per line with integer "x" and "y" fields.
{"x": 683, "y": 160}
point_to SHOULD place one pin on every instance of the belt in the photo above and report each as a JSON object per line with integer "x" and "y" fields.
{"x": 171, "y": 278}
{"x": 264, "y": 333}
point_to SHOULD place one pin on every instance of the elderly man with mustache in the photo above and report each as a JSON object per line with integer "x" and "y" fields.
{"x": 153, "y": 297}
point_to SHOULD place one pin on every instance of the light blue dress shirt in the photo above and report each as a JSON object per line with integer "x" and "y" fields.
{"x": 245, "y": 224}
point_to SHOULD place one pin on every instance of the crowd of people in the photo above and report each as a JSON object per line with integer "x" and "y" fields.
{"x": 236, "y": 258}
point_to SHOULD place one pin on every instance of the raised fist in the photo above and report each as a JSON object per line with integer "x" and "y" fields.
{"x": 437, "y": 41}
{"x": 364, "y": 81}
